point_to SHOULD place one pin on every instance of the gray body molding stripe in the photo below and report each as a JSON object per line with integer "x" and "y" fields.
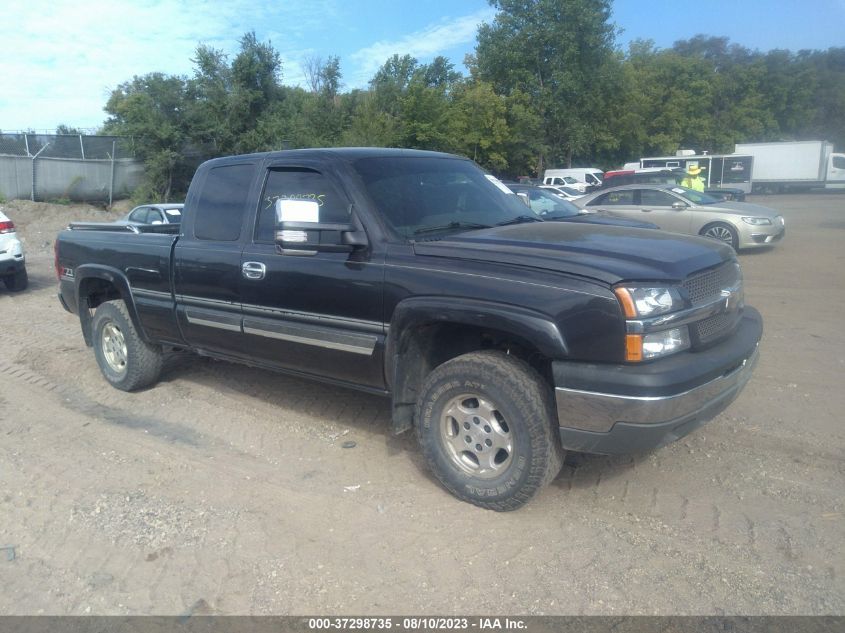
{"x": 312, "y": 335}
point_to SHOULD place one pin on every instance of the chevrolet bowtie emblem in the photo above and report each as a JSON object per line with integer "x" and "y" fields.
{"x": 731, "y": 299}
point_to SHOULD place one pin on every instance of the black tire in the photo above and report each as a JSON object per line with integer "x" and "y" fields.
{"x": 510, "y": 414}
{"x": 723, "y": 232}
{"x": 126, "y": 361}
{"x": 17, "y": 281}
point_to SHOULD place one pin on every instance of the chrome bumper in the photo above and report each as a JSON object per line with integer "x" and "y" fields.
{"x": 599, "y": 412}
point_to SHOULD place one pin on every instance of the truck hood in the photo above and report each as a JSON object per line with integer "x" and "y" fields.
{"x": 607, "y": 253}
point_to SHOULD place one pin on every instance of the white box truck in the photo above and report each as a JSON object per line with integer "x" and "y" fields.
{"x": 793, "y": 165}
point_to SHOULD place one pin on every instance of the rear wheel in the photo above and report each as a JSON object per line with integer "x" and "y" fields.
{"x": 17, "y": 281}
{"x": 722, "y": 232}
{"x": 486, "y": 425}
{"x": 125, "y": 360}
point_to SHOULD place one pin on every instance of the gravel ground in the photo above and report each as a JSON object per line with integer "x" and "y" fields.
{"x": 227, "y": 490}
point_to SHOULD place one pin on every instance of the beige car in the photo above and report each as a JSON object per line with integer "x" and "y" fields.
{"x": 681, "y": 210}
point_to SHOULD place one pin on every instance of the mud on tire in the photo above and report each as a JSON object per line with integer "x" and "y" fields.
{"x": 488, "y": 430}
{"x": 125, "y": 360}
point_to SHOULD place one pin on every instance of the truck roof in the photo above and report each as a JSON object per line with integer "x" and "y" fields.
{"x": 345, "y": 153}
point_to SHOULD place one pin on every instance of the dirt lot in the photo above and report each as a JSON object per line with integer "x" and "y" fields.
{"x": 226, "y": 490}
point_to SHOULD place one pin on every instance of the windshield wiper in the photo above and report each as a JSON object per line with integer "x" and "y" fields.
{"x": 451, "y": 225}
{"x": 520, "y": 219}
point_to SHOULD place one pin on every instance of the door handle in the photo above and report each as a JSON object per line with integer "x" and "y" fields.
{"x": 253, "y": 270}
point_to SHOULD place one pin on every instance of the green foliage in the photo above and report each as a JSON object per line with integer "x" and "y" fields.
{"x": 559, "y": 52}
{"x": 546, "y": 88}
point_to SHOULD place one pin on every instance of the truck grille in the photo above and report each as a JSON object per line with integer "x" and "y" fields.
{"x": 706, "y": 287}
{"x": 714, "y": 327}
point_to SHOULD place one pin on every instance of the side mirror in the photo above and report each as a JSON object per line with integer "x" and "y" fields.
{"x": 524, "y": 198}
{"x": 300, "y": 232}
{"x": 679, "y": 206}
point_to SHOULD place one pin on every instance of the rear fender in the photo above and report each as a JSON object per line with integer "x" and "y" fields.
{"x": 91, "y": 276}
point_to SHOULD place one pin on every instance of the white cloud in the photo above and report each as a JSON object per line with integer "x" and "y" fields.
{"x": 424, "y": 44}
{"x": 62, "y": 57}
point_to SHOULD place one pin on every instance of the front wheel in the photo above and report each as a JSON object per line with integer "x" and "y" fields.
{"x": 722, "y": 232}
{"x": 125, "y": 360}
{"x": 486, "y": 425}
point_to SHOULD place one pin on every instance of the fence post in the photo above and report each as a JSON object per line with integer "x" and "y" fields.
{"x": 81, "y": 147}
{"x": 111, "y": 181}
{"x": 33, "y": 169}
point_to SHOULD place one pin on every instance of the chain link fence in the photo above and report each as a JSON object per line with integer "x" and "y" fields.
{"x": 67, "y": 166}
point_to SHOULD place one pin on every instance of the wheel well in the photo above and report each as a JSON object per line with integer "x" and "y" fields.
{"x": 718, "y": 223}
{"x": 93, "y": 292}
{"x": 428, "y": 346}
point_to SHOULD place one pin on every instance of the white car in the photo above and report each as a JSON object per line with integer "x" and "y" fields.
{"x": 12, "y": 259}
{"x": 565, "y": 192}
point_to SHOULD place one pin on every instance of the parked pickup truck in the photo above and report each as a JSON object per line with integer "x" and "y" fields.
{"x": 501, "y": 339}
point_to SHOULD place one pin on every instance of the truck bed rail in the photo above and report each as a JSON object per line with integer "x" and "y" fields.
{"x": 170, "y": 229}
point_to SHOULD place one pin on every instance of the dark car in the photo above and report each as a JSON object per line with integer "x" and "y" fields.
{"x": 167, "y": 213}
{"x": 553, "y": 207}
{"x": 668, "y": 176}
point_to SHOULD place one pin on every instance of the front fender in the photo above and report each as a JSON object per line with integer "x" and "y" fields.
{"x": 533, "y": 327}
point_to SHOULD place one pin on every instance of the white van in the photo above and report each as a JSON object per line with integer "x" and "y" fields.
{"x": 580, "y": 178}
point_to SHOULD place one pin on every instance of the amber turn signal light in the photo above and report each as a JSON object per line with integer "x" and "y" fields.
{"x": 633, "y": 347}
{"x": 627, "y": 302}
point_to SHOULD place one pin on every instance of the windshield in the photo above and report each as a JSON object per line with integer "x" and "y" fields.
{"x": 427, "y": 195}
{"x": 695, "y": 196}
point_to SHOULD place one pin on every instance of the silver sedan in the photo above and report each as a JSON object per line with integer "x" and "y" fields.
{"x": 681, "y": 210}
{"x": 166, "y": 213}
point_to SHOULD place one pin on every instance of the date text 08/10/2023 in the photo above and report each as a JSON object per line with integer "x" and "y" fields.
{"x": 416, "y": 624}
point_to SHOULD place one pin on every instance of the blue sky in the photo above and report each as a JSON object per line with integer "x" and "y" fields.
{"x": 62, "y": 57}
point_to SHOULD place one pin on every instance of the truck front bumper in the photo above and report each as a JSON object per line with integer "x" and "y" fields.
{"x": 611, "y": 409}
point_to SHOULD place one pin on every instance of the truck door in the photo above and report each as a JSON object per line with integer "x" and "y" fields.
{"x": 207, "y": 260}
{"x": 317, "y": 313}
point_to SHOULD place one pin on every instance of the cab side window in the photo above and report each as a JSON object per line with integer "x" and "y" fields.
{"x": 222, "y": 203}
{"x": 298, "y": 184}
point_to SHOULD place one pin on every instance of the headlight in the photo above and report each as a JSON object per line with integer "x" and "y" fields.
{"x": 757, "y": 221}
{"x": 639, "y": 347}
{"x": 666, "y": 342}
{"x": 648, "y": 302}
{"x": 644, "y": 302}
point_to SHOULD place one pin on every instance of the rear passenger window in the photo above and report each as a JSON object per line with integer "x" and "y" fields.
{"x": 619, "y": 198}
{"x": 298, "y": 184}
{"x": 222, "y": 203}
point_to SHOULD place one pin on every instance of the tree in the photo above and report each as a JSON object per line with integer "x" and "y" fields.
{"x": 478, "y": 125}
{"x": 557, "y": 52}
{"x": 150, "y": 109}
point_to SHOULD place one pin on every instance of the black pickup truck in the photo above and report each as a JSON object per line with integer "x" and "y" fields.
{"x": 501, "y": 339}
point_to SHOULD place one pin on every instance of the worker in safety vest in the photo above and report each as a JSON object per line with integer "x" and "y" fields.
{"x": 693, "y": 180}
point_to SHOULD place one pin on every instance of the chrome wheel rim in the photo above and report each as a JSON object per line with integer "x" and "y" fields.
{"x": 114, "y": 347}
{"x": 477, "y": 438}
{"x": 720, "y": 233}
